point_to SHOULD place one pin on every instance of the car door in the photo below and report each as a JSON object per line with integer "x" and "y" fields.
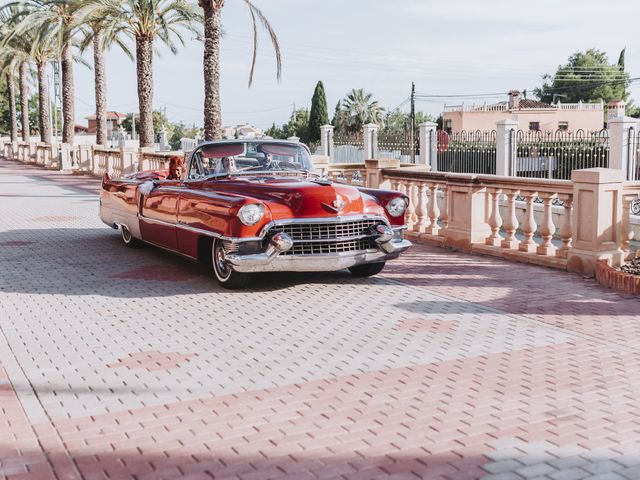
{"x": 159, "y": 214}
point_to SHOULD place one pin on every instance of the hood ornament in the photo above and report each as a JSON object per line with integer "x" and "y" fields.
{"x": 336, "y": 206}
{"x": 322, "y": 181}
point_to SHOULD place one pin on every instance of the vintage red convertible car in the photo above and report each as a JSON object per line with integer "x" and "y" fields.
{"x": 248, "y": 206}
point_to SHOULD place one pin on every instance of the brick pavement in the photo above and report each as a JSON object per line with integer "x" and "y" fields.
{"x": 134, "y": 364}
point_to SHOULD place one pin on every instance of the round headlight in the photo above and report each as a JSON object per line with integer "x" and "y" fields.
{"x": 397, "y": 206}
{"x": 251, "y": 214}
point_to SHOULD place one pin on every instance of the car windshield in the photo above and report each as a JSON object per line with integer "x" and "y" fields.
{"x": 222, "y": 159}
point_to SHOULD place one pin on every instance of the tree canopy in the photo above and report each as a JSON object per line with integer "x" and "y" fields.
{"x": 587, "y": 77}
{"x": 318, "y": 115}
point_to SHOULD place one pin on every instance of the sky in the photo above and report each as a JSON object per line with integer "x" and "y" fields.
{"x": 455, "y": 47}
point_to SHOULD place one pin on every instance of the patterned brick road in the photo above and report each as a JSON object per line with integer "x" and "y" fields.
{"x": 121, "y": 364}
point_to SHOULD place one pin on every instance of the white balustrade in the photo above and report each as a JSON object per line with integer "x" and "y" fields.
{"x": 511, "y": 221}
{"x": 547, "y": 227}
{"x": 495, "y": 220}
{"x": 529, "y": 225}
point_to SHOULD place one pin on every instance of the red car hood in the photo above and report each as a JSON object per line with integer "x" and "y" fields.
{"x": 300, "y": 197}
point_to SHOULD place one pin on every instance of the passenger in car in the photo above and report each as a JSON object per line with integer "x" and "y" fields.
{"x": 176, "y": 168}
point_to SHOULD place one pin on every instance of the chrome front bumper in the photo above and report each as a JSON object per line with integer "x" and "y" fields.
{"x": 271, "y": 261}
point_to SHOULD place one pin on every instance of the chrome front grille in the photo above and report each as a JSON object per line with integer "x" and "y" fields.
{"x": 330, "y": 237}
{"x": 326, "y": 231}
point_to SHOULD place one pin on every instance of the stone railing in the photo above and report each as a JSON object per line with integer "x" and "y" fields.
{"x": 568, "y": 224}
{"x": 351, "y": 173}
{"x": 89, "y": 159}
{"x": 156, "y": 160}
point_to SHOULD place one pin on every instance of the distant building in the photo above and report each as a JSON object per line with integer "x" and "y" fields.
{"x": 114, "y": 121}
{"x": 530, "y": 115}
{"x": 242, "y": 131}
{"x": 80, "y": 129}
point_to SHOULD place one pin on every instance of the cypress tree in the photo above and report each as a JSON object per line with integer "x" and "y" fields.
{"x": 318, "y": 115}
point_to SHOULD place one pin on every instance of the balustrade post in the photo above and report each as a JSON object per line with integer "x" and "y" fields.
{"x": 410, "y": 215}
{"x": 529, "y": 225}
{"x": 566, "y": 226}
{"x": 444, "y": 214}
{"x": 547, "y": 228}
{"x": 434, "y": 210}
{"x": 597, "y": 204}
{"x": 373, "y": 173}
{"x": 422, "y": 209}
{"x": 467, "y": 212}
{"x": 511, "y": 221}
{"x": 495, "y": 219}
{"x": 626, "y": 232}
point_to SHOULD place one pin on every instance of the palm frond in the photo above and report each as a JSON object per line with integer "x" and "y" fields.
{"x": 256, "y": 12}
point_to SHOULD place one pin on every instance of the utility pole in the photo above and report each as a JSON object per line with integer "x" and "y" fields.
{"x": 133, "y": 126}
{"x": 413, "y": 122}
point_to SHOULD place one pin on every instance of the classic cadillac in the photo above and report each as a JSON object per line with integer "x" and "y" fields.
{"x": 248, "y": 206}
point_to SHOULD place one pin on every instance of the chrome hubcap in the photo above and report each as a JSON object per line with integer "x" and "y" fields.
{"x": 220, "y": 262}
{"x": 126, "y": 234}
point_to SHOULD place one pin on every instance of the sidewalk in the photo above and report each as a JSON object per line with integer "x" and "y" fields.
{"x": 122, "y": 364}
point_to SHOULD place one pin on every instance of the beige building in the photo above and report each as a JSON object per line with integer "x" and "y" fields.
{"x": 530, "y": 115}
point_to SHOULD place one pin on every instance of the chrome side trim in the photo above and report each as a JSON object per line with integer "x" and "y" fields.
{"x": 207, "y": 233}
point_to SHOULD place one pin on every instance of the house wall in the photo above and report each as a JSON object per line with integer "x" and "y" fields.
{"x": 587, "y": 120}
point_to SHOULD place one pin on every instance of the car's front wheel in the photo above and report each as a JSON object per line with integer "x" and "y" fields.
{"x": 367, "y": 269}
{"x": 128, "y": 239}
{"x": 224, "y": 272}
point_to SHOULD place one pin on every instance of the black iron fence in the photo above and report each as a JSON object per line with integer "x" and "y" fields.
{"x": 467, "y": 152}
{"x": 556, "y": 154}
{"x": 400, "y": 146}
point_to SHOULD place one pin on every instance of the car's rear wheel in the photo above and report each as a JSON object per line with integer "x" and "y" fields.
{"x": 128, "y": 239}
{"x": 224, "y": 272}
{"x": 367, "y": 269}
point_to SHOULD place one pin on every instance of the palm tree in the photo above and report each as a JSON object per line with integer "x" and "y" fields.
{"x": 8, "y": 63}
{"x": 145, "y": 21}
{"x": 15, "y": 55}
{"x": 60, "y": 16}
{"x": 212, "y": 32}
{"x": 360, "y": 109}
{"x": 7, "y": 67}
{"x": 100, "y": 35}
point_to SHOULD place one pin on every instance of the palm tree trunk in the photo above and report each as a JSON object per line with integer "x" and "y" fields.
{"x": 24, "y": 101}
{"x": 68, "y": 107}
{"x": 43, "y": 103}
{"x": 212, "y": 109}
{"x": 144, "y": 67}
{"x": 13, "y": 114}
{"x": 101, "y": 87}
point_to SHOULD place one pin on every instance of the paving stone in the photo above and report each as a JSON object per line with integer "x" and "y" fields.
{"x": 117, "y": 363}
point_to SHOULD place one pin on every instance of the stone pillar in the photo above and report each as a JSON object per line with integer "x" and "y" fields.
{"x": 468, "y": 212}
{"x": 623, "y": 133}
{"x": 428, "y": 138}
{"x": 65, "y": 161}
{"x": 326, "y": 140}
{"x": 506, "y": 147}
{"x": 164, "y": 141}
{"x": 597, "y": 221}
{"x": 374, "y": 171}
{"x": 370, "y": 141}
